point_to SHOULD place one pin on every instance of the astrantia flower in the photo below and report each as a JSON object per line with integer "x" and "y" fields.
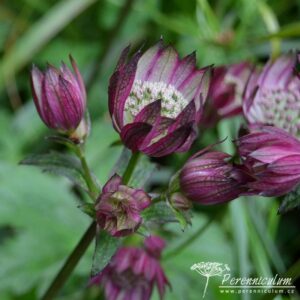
{"x": 133, "y": 273}
{"x": 272, "y": 157}
{"x": 273, "y": 96}
{"x": 118, "y": 208}
{"x": 208, "y": 178}
{"x": 59, "y": 96}
{"x": 226, "y": 91}
{"x": 156, "y": 100}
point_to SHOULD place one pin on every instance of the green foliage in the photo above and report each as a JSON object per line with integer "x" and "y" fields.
{"x": 39, "y": 220}
{"x": 290, "y": 201}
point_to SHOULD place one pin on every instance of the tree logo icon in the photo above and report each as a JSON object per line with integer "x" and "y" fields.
{"x": 210, "y": 269}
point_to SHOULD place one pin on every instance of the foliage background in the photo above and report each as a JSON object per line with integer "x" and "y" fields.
{"x": 39, "y": 219}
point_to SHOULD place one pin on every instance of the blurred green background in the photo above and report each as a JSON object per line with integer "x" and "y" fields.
{"x": 39, "y": 219}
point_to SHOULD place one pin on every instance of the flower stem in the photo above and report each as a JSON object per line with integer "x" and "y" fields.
{"x": 89, "y": 235}
{"x": 130, "y": 167}
{"x": 70, "y": 263}
{"x": 93, "y": 189}
{"x": 189, "y": 241}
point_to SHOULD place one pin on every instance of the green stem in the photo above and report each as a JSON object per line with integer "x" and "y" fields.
{"x": 93, "y": 189}
{"x": 189, "y": 241}
{"x": 89, "y": 235}
{"x": 70, "y": 263}
{"x": 130, "y": 167}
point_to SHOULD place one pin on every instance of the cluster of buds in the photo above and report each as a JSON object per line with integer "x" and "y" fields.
{"x": 134, "y": 272}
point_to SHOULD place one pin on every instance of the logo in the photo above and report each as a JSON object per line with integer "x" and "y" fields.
{"x": 209, "y": 269}
{"x": 242, "y": 285}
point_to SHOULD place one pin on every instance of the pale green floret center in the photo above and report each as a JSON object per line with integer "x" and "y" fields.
{"x": 282, "y": 108}
{"x": 146, "y": 92}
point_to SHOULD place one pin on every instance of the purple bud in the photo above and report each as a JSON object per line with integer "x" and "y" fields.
{"x": 272, "y": 157}
{"x": 181, "y": 202}
{"x": 226, "y": 91}
{"x": 208, "y": 178}
{"x": 156, "y": 100}
{"x": 118, "y": 208}
{"x": 59, "y": 96}
{"x": 272, "y": 97}
{"x": 133, "y": 273}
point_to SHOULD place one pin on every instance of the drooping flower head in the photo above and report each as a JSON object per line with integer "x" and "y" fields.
{"x": 272, "y": 157}
{"x": 118, "y": 208}
{"x": 209, "y": 178}
{"x": 156, "y": 100}
{"x": 133, "y": 272}
{"x": 226, "y": 91}
{"x": 272, "y": 97}
{"x": 59, "y": 96}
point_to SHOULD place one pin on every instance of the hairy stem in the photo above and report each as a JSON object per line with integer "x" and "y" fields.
{"x": 70, "y": 263}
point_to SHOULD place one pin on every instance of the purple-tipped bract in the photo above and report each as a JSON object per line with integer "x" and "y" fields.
{"x": 272, "y": 96}
{"x": 156, "y": 100}
{"x": 59, "y": 96}
{"x": 133, "y": 272}
{"x": 272, "y": 158}
{"x": 118, "y": 208}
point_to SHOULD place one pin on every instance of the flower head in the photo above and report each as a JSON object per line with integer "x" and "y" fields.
{"x": 59, "y": 96}
{"x": 272, "y": 97}
{"x": 208, "y": 178}
{"x": 156, "y": 100}
{"x": 118, "y": 208}
{"x": 226, "y": 91}
{"x": 133, "y": 273}
{"x": 272, "y": 157}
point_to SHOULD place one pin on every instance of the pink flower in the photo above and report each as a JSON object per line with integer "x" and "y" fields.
{"x": 156, "y": 100}
{"x": 118, "y": 208}
{"x": 272, "y": 157}
{"x": 133, "y": 272}
{"x": 272, "y": 97}
{"x": 59, "y": 96}
{"x": 226, "y": 92}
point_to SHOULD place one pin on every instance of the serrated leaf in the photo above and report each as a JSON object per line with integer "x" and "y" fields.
{"x": 106, "y": 247}
{"x": 290, "y": 201}
{"x": 158, "y": 213}
{"x": 184, "y": 218}
{"x": 60, "y": 164}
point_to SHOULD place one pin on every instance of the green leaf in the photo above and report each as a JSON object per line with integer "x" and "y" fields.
{"x": 158, "y": 213}
{"x": 290, "y": 201}
{"x": 106, "y": 247}
{"x": 60, "y": 164}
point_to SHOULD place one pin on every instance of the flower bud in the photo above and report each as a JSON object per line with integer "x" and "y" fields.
{"x": 208, "y": 178}
{"x": 226, "y": 91}
{"x": 180, "y": 202}
{"x": 118, "y": 208}
{"x": 133, "y": 272}
{"x": 59, "y": 96}
{"x": 272, "y": 157}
